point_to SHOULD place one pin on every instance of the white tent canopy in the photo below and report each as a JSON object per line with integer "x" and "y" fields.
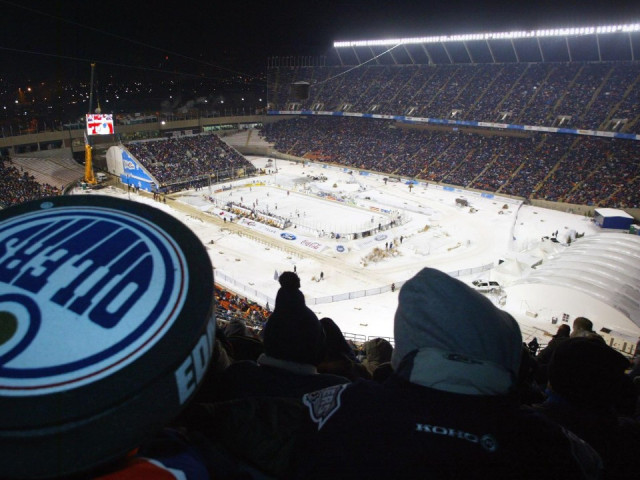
{"x": 509, "y": 271}
{"x": 597, "y": 277}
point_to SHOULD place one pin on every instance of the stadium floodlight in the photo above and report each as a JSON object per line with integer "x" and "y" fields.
{"x": 467, "y": 37}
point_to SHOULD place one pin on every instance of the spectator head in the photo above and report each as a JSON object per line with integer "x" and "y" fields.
{"x": 452, "y": 338}
{"x": 336, "y": 344}
{"x": 586, "y": 371}
{"x": 377, "y": 351}
{"x": 563, "y": 331}
{"x": 289, "y": 288}
{"x": 289, "y": 280}
{"x": 236, "y": 327}
{"x": 293, "y": 332}
{"x": 582, "y": 327}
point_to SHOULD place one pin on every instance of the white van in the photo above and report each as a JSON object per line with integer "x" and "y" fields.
{"x": 101, "y": 177}
{"x": 486, "y": 287}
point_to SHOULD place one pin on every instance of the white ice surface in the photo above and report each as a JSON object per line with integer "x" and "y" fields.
{"x": 436, "y": 233}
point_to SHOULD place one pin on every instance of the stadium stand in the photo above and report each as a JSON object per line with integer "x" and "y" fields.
{"x": 19, "y": 186}
{"x": 184, "y": 160}
{"x": 50, "y": 169}
{"x": 577, "y": 169}
{"x": 579, "y": 95}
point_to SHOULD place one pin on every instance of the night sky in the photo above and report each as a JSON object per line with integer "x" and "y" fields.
{"x": 215, "y": 39}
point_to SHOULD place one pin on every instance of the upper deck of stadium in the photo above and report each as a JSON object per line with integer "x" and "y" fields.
{"x": 581, "y": 78}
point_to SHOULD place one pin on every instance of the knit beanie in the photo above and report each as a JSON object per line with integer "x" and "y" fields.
{"x": 587, "y": 371}
{"x": 293, "y": 332}
{"x": 289, "y": 288}
{"x": 452, "y": 338}
{"x": 289, "y": 280}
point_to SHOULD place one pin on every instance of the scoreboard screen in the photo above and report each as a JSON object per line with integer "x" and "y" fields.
{"x": 99, "y": 124}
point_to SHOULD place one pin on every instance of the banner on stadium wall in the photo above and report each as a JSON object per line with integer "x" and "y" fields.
{"x": 134, "y": 175}
{"x": 464, "y": 123}
{"x": 261, "y": 227}
{"x": 341, "y": 249}
{"x": 139, "y": 183}
{"x": 130, "y": 167}
{"x": 447, "y": 188}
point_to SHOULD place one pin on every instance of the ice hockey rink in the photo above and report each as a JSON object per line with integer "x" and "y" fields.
{"x": 351, "y": 235}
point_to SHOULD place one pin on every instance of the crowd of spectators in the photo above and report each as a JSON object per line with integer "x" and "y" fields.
{"x": 574, "y": 94}
{"x": 180, "y": 160}
{"x": 18, "y": 186}
{"x": 231, "y": 306}
{"x": 286, "y": 395}
{"x": 457, "y": 393}
{"x": 558, "y": 167}
{"x": 297, "y": 400}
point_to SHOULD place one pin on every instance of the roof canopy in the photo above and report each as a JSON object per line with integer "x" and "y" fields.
{"x": 612, "y": 212}
{"x": 605, "y": 267}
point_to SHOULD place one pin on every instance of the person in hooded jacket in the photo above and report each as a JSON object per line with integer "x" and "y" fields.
{"x": 448, "y": 410}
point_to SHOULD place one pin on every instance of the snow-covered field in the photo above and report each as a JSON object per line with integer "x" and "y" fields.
{"x": 326, "y": 210}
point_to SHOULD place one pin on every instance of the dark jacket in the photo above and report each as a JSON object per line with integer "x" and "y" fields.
{"x": 271, "y": 378}
{"x": 402, "y": 430}
{"x": 397, "y": 430}
{"x": 616, "y": 439}
{"x": 245, "y": 347}
{"x": 544, "y": 359}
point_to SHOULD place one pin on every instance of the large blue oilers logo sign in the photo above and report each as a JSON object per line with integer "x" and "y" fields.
{"x": 107, "y": 325}
{"x": 113, "y": 281}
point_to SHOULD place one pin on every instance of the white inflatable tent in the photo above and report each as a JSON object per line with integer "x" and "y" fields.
{"x": 597, "y": 277}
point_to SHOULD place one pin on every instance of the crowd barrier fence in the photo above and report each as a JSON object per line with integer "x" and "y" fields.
{"x": 255, "y": 295}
